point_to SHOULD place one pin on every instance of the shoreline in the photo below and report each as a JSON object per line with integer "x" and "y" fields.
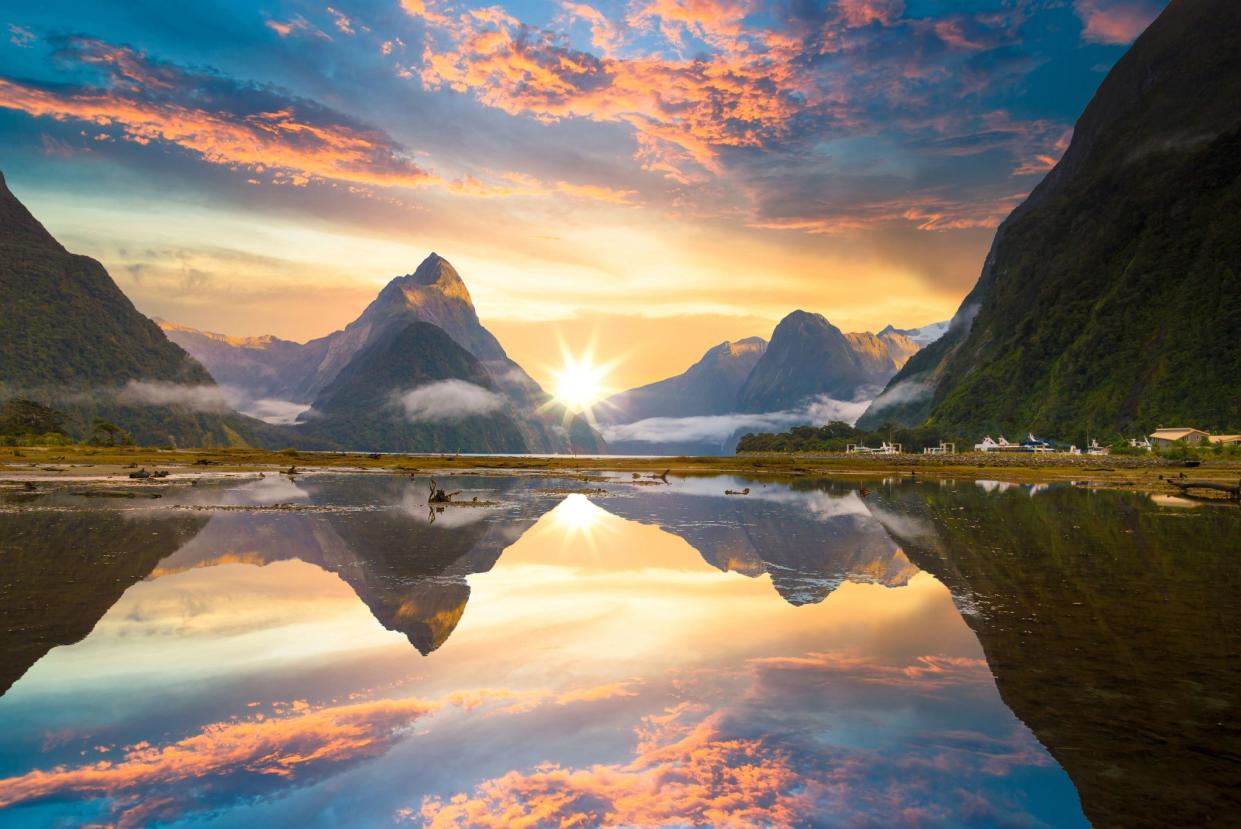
{"x": 89, "y": 464}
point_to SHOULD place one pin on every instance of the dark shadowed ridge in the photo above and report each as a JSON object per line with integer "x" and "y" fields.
{"x": 1108, "y": 301}
{"x": 69, "y": 337}
{"x": 808, "y": 357}
{"x": 708, "y": 387}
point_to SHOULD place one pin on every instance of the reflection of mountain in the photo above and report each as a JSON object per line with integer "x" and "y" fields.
{"x": 808, "y": 540}
{"x": 1112, "y": 630}
{"x": 410, "y": 573}
{"x": 60, "y": 572}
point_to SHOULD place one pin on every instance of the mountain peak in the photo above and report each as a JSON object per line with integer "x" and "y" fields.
{"x": 800, "y": 320}
{"x": 436, "y": 273}
{"x": 18, "y": 225}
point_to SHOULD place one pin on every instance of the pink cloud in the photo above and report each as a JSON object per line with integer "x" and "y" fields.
{"x": 1115, "y": 21}
{"x": 701, "y": 778}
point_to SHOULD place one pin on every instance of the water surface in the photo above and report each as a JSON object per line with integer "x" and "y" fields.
{"x": 327, "y": 651}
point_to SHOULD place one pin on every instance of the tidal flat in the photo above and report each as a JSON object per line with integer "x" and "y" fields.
{"x": 288, "y": 650}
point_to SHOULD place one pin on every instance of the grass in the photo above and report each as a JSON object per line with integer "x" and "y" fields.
{"x": 1139, "y": 472}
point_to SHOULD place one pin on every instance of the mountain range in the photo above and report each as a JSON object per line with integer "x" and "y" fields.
{"x": 421, "y": 329}
{"x": 1108, "y": 302}
{"x": 736, "y": 385}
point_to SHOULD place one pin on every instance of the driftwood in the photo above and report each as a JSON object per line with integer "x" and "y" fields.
{"x": 1185, "y": 485}
{"x": 439, "y": 496}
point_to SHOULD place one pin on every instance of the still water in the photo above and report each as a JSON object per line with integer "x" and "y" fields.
{"x": 326, "y": 651}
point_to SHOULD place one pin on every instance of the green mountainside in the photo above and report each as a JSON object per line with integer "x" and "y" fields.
{"x": 1109, "y": 302}
{"x": 70, "y": 339}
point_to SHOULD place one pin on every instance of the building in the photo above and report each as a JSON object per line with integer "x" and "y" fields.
{"x": 1226, "y": 440}
{"x": 1162, "y": 437}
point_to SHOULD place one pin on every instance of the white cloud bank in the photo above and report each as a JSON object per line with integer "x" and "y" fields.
{"x": 721, "y": 428}
{"x": 448, "y": 400}
{"x": 160, "y": 393}
{"x": 271, "y": 410}
{"x": 203, "y": 398}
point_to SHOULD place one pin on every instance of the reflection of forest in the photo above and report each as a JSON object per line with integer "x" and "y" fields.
{"x": 61, "y": 571}
{"x": 1113, "y": 629}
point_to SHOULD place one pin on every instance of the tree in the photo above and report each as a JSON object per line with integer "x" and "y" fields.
{"x": 104, "y": 433}
{"x": 26, "y": 417}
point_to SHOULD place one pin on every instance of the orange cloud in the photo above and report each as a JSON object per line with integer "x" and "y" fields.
{"x": 931, "y": 671}
{"x": 276, "y": 746}
{"x": 277, "y": 141}
{"x": 702, "y": 778}
{"x": 745, "y": 94}
{"x": 289, "y": 141}
{"x": 925, "y": 212}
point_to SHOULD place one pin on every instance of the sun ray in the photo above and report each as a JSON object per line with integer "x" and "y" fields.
{"x": 580, "y": 382}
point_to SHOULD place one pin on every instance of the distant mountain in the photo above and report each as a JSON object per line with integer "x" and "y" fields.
{"x": 368, "y": 402}
{"x": 751, "y": 385}
{"x": 1108, "y": 302}
{"x": 266, "y": 367}
{"x": 809, "y": 357}
{"x": 71, "y": 339}
{"x": 263, "y": 367}
{"x": 921, "y": 337}
{"x": 708, "y": 387}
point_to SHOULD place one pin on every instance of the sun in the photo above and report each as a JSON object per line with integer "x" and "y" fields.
{"x": 579, "y": 383}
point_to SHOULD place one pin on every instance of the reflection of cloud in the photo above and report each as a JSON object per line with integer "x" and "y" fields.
{"x": 720, "y": 428}
{"x": 260, "y": 747}
{"x": 925, "y": 672}
{"x": 702, "y": 778}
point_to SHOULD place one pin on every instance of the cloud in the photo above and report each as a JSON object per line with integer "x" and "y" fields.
{"x": 449, "y": 400}
{"x": 702, "y": 778}
{"x": 261, "y": 748}
{"x": 909, "y": 390}
{"x": 721, "y": 428}
{"x": 1115, "y": 21}
{"x": 928, "y": 672}
{"x": 199, "y": 398}
{"x": 270, "y": 410}
{"x": 712, "y": 88}
{"x": 20, "y": 36}
{"x": 263, "y": 129}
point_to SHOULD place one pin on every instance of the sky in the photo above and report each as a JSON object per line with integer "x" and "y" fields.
{"x": 655, "y": 176}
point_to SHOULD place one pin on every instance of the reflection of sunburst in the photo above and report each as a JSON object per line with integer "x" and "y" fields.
{"x": 577, "y": 517}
